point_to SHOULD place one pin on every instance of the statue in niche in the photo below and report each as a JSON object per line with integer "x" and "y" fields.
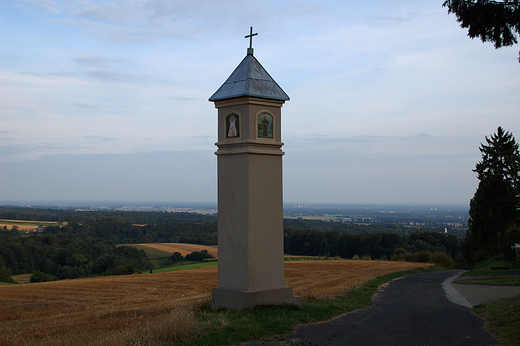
{"x": 265, "y": 125}
{"x": 232, "y": 126}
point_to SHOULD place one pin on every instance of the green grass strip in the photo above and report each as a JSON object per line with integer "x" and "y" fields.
{"x": 495, "y": 262}
{"x": 151, "y": 252}
{"x": 264, "y": 323}
{"x": 504, "y": 319}
{"x": 495, "y": 280}
{"x": 186, "y": 267}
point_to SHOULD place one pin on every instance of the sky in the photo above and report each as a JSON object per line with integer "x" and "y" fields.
{"x": 108, "y": 100}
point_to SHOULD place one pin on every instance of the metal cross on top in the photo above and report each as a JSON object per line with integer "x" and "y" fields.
{"x": 250, "y": 36}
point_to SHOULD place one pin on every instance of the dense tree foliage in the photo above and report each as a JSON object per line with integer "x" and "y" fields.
{"x": 355, "y": 228}
{"x": 70, "y": 257}
{"x": 494, "y": 209}
{"x": 376, "y": 245}
{"x": 125, "y": 233}
{"x": 71, "y": 215}
{"x": 491, "y": 21}
{"x": 5, "y": 273}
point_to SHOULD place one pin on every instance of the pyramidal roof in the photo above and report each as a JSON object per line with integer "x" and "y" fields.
{"x": 250, "y": 79}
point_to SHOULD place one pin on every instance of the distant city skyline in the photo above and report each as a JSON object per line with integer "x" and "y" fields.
{"x": 108, "y": 101}
{"x": 180, "y": 206}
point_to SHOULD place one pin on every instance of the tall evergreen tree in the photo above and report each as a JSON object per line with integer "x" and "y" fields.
{"x": 495, "y": 207}
{"x": 490, "y": 20}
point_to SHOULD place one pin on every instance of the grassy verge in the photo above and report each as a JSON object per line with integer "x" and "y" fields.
{"x": 159, "y": 262}
{"x": 490, "y": 267}
{"x": 225, "y": 327}
{"x": 185, "y": 267}
{"x": 494, "y": 280}
{"x": 503, "y": 318}
{"x": 151, "y": 253}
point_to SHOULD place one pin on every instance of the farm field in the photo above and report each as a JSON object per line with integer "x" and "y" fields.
{"x": 167, "y": 249}
{"x": 22, "y": 278}
{"x": 26, "y": 225}
{"x": 111, "y": 310}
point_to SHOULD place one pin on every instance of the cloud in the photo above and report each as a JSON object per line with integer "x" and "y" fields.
{"x": 98, "y": 61}
{"x": 29, "y": 151}
{"x": 36, "y": 74}
{"x": 101, "y": 138}
{"x": 123, "y": 13}
{"x": 382, "y": 148}
{"x": 49, "y": 5}
{"x": 180, "y": 98}
{"x": 391, "y": 21}
{"x": 115, "y": 77}
{"x": 152, "y": 20}
{"x": 83, "y": 106}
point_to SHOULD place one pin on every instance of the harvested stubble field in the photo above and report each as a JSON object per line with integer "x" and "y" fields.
{"x": 26, "y": 225}
{"x": 112, "y": 310}
{"x": 182, "y": 248}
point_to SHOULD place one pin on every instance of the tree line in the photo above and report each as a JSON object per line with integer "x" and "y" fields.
{"x": 313, "y": 242}
{"x": 204, "y": 233}
{"x": 353, "y": 228}
{"x": 72, "y": 215}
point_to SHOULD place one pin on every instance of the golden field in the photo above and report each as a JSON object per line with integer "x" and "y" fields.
{"x": 184, "y": 249}
{"x": 111, "y": 310}
{"x": 26, "y": 225}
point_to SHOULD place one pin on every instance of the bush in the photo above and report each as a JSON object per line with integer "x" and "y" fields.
{"x": 176, "y": 257}
{"x": 399, "y": 254}
{"x": 122, "y": 270}
{"x": 38, "y": 276}
{"x": 198, "y": 256}
{"x": 442, "y": 259}
{"x": 5, "y": 274}
{"x": 422, "y": 256}
{"x": 439, "y": 258}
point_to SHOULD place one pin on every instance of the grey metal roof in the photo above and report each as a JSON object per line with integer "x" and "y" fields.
{"x": 250, "y": 79}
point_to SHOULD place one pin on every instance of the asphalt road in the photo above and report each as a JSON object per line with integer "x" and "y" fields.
{"x": 410, "y": 311}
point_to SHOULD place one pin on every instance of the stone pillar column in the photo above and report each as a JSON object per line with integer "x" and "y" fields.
{"x": 250, "y": 205}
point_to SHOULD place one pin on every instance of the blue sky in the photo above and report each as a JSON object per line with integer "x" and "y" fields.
{"x": 108, "y": 100}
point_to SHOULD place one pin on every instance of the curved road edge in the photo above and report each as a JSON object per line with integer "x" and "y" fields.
{"x": 452, "y": 294}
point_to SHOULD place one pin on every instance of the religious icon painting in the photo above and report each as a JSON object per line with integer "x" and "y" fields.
{"x": 232, "y": 126}
{"x": 265, "y": 125}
